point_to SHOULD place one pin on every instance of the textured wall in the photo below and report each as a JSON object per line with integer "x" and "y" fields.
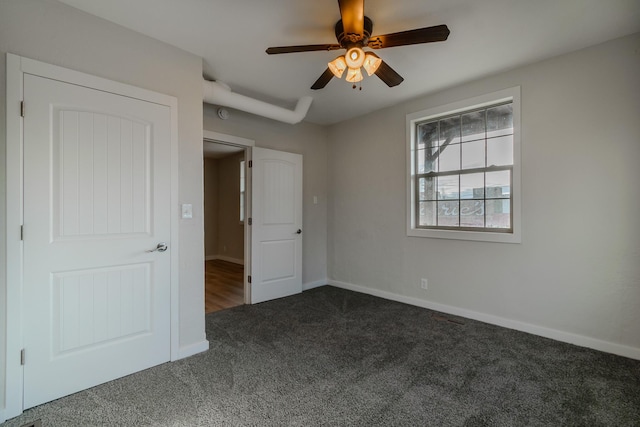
{"x": 210, "y": 207}
{"x": 304, "y": 138}
{"x": 577, "y": 268}
{"x": 57, "y": 34}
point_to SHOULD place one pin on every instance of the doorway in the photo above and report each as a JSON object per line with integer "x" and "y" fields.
{"x": 225, "y": 192}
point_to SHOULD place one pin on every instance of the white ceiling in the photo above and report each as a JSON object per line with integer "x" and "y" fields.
{"x": 487, "y": 36}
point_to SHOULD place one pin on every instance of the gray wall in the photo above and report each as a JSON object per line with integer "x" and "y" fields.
{"x": 223, "y": 232}
{"x": 577, "y": 269}
{"x": 57, "y": 34}
{"x": 304, "y": 138}
{"x": 210, "y": 207}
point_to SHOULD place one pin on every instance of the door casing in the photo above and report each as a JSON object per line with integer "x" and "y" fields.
{"x": 16, "y": 68}
{"x": 248, "y": 144}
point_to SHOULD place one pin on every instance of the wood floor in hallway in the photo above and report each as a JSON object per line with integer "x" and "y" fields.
{"x": 224, "y": 285}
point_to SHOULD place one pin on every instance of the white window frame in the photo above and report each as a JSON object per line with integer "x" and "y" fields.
{"x": 510, "y": 94}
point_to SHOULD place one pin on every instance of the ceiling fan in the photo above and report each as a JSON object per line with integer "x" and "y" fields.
{"x": 353, "y": 32}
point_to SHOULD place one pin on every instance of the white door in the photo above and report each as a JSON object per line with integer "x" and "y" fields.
{"x": 96, "y": 198}
{"x": 276, "y": 231}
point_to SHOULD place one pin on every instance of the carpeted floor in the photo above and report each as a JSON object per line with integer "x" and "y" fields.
{"x": 338, "y": 358}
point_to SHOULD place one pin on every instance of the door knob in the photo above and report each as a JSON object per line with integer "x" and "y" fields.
{"x": 162, "y": 246}
{"x": 299, "y": 231}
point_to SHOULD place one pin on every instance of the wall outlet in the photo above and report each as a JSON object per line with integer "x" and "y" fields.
{"x": 424, "y": 284}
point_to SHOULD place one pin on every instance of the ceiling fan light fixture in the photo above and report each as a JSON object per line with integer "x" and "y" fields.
{"x": 354, "y": 57}
{"x": 354, "y": 75}
{"x": 371, "y": 63}
{"x": 337, "y": 66}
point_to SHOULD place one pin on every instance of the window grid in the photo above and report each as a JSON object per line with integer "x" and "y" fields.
{"x": 459, "y": 143}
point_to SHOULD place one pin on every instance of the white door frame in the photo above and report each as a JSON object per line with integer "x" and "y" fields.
{"x": 16, "y": 68}
{"x": 248, "y": 144}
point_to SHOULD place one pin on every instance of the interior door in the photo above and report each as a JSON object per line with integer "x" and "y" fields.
{"x": 276, "y": 249}
{"x": 96, "y": 200}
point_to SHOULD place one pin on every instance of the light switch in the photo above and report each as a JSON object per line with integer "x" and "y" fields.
{"x": 315, "y": 200}
{"x": 187, "y": 211}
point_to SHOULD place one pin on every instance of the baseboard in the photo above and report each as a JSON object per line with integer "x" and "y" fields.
{"x": 192, "y": 349}
{"x": 554, "y": 334}
{"x": 224, "y": 258}
{"x": 316, "y": 284}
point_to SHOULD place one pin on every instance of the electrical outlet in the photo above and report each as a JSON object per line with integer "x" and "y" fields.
{"x": 424, "y": 284}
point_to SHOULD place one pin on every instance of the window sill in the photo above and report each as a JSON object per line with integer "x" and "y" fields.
{"x": 478, "y": 236}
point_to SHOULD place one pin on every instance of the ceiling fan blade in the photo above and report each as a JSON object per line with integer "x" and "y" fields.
{"x": 323, "y": 80}
{"x": 302, "y": 48}
{"x": 388, "y": 75}
{"x": 421, "y": 35}
{"x": 352, "y": 13}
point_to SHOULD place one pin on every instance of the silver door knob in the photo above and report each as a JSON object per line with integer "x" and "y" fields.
{"x": 162, "y": 246}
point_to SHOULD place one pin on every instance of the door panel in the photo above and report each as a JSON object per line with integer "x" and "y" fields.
{"x": 96, "y": 198}
{"x": 277, "y": 216}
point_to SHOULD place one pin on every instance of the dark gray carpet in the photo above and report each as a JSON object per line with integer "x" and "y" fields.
{"x": 338, "y": 358}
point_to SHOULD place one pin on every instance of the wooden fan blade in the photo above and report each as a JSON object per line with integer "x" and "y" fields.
{"x": 388, "y": 75}
{"x": 323, "y": 80}
{"x": 352, "y": 13}
{"x": 421, "y": 35}
{"x": 302, "y": 48}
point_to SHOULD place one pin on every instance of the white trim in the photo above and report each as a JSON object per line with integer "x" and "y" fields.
{"x": 224, "y": 258}
{"x": 554, "y": 334}
{"x": 248, "y": 144}
{"x": 13, "y": 370}
{"x": 16, "y": 68}
{"x": 211, "y": 136}
{"x": 512, "y": 94}
{"x": 192, "y": 349}
{"x": 315, "y": 284}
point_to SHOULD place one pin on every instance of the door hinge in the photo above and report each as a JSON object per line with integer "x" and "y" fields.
{"x": 249, "y": 279}
{"x": 250, "y": 221}
{"x": 22, "y": 356}
{"x": 22, "y": 232}
{"x": 250, "y": 163}
{"x": 21, "y": 108}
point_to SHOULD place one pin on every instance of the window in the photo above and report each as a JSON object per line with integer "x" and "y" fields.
{"x": 464, "y": 176}
{"x": 242, "y": 191}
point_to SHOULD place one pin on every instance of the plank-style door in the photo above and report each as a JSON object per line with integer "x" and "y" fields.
{"x": 96, "y": 198}
{"x": 276, "y": 232}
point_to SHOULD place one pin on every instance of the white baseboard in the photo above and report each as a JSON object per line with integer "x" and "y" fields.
{"x": 192, "y": 349}
{"x": 554, "y": 334}
{"x": 316, "y": 284}
{"x": 224, "y": 258}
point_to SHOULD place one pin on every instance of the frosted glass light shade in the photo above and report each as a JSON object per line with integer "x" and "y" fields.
{"x": 337, "y": 66}
{"x": 354, "y": 75}
{"x": 371, "y": 63}
{"x": 354, "y": 57}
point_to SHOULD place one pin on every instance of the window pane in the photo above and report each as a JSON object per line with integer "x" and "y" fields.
{"x": 427, "y": 214}
{"x": 427, "y": 135}
{"x": 473, "y": 126}
{"x": 472, "y": 186}
{"x": 473, "y": 154}
{"x": 427, "y": 189}
{"x": 498, "y": 184}
{"x": 498, "y": 213}
{"x": 500, "y": 120}
{"x": 500, "y": 151}
{"x": 448, "y": 213}
{"x": 448, "y": 187}
{"x": 427, "y": 161}
{"x": 449, "y": 158}
{"x": 450, "y": 130}
{"x": 472, "y": 213}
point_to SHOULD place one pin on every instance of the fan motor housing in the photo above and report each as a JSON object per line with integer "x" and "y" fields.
{"x": 350, "y": 40}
